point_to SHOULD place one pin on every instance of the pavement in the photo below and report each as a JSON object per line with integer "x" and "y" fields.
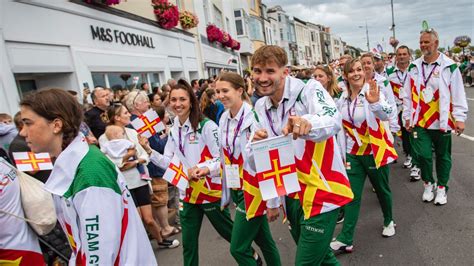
{"x": 426, "y": 234}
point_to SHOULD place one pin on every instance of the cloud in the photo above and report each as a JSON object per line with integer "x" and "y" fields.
{"x": 344, "y": 17}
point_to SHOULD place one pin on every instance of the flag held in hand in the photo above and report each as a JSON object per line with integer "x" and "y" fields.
{"x": 29, "y": 161}
{"x": 148, "y": 124}
{"x": 276, "y": 169}
{"x": 177, "y": 174}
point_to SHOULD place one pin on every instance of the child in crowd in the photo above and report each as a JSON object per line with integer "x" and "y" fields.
{"x": 118, "y": 148}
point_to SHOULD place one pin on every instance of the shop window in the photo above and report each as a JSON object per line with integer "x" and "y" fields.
{"x": 193, "y": 75}
{"x": 98, "y": 79}
{"x": 176, "y": 75}
{"x": 26, "y": 86}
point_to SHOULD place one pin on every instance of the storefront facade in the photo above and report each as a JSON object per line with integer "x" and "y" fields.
{"x": 70, "y": 45}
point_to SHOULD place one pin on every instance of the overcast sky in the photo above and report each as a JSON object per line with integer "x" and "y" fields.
{"x": 450, "y": 18}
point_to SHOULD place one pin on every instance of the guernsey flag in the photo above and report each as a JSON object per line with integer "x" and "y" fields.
{"x": 177, "y": 174}
{"x": 276, "y": 169}
{"x": 382, "y": 148}
{"x": 203, "y": 190}
{"x": 323, "y": 180}
{"x": 148, "y": 124}
{"x": 28, "y": 161}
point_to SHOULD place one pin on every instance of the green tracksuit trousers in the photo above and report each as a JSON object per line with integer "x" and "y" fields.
{"x": 316, "y": 234}
{"x": 424, "y": 140}
{"x": 360, "y": 167}
{"x": 294, "y": 212}
{"x": 246, "y": 231}
{"x": 191, "y": 219}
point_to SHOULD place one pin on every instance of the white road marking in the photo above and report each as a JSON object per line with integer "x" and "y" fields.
{"x": 466, "y": 137}
{"x": 470, "y": 99}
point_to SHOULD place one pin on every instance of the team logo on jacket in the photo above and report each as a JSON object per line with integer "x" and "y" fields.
{"x": 192, "y": 137}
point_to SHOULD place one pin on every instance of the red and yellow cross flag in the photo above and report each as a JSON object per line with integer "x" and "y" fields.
{"x": 276, "y": 169}
{"x": 177, "y": 174}
{"x": 148, "y": 124}
{"x": 382, "y": 147}
{"x": 28, "y": 161}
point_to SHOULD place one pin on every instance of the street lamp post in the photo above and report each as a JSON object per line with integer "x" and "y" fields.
{"x": 393, "y": 24}
{"x": 367, "y": 35}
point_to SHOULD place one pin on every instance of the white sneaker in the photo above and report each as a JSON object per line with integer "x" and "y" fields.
{"x": 428, "y": 194}
{"x": 339, "y": 246}
{"x": 415, "y": 174}
{"x": 441, "y": 197}
{"x": 389, "y": 230}
{"x": 407, "y": 163}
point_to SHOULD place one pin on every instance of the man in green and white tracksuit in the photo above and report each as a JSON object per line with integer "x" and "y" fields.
{"x": 434, "y": 105}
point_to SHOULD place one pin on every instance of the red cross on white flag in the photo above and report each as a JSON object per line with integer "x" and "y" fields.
{"x": 276, "y": 169}
{"x": 28, "y": 161}
{"x": 148, "y": 124}
{"x": 177, "y": 174}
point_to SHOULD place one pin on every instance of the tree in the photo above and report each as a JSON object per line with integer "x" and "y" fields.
{"x": 417, "y": 53}
{"x": 456, "y": 50}
{"x": 441, "y": 49}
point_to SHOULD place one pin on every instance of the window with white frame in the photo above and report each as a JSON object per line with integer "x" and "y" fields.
{"x": 239, "y": 22}
{"x": 217, "y": 17}
{"x": 256, "y": 29}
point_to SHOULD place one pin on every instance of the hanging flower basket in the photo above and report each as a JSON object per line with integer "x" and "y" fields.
{"x": 235, "y": 45}
{"x": 166, "y": 13}
{"x": 214, "y": 34}
{"x": 188, "y": 20}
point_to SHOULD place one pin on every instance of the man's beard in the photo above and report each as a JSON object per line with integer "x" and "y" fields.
{"x": 273, "y": 88}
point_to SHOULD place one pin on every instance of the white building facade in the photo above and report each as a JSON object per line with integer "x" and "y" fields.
{"x": 72, "y": 45}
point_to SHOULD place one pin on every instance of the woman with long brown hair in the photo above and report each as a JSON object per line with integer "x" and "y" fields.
{"x": 194, "y": 140}
{"x": 119, "y": 116}
{"x": 91, "y": 199}
{"x": 250, "y": 222}
{"x": 325, "y": 75}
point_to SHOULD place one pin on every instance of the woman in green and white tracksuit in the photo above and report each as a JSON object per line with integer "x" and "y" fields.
{"x": 194, "y": 140}
{"x": 368, "y": 149}
{"x": 250, "y": 223}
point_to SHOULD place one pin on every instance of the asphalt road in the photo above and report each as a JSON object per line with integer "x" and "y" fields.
{"x": 426, "y": 234}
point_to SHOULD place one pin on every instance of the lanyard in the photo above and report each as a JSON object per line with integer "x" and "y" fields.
{"x": 400, "y": 79}
{"x": 269, "y": 118}
{"x": 181, "y": 145}
{"x": 236, "y": 131}
{"x": 351, "y": 117}
{"x": 426, "y": 80}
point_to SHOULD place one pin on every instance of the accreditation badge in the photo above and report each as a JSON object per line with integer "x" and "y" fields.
{"x": 232, "y": 175}
{"x": 427, "y": 94}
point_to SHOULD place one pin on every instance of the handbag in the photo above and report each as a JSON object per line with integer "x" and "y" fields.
{"x": 38, "y": 205}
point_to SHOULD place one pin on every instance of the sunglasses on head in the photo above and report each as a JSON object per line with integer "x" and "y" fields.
{"x": 430, "y": 30}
